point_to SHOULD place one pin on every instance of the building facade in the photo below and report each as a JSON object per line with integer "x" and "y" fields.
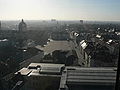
{"x": 41, "y": 76}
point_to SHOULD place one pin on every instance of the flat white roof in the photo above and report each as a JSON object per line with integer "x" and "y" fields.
{"x": 24, "y": 71}
{"x": 41, "y": 68}
{"x": 45, "y": 65}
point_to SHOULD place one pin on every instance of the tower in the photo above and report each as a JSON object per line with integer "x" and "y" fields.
{"x": 22, "y": 26}
{"x": 21, "y": 35}
{"x": 81, "y": 21}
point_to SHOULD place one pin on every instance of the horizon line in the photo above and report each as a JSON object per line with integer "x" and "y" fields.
{"x": 59, "y": 20}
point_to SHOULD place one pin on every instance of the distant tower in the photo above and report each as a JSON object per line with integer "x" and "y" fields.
{"x": 81, "y": 21}
{"x": 22, "y": 26}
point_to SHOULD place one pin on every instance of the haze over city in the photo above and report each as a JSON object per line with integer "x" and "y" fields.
{"x": 59, "y": 44}
{"x": 101, "y": 10}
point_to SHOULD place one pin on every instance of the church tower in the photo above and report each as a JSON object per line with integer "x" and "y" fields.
{"x": 22, "y": 26}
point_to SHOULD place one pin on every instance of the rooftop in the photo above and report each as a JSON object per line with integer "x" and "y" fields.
{"x": 56, "y": 45}
{"x": 42, "y": 68}
{"x": 88, "y": 76}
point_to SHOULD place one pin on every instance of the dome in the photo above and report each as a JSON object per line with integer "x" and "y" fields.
{"x": 22, "y": 26}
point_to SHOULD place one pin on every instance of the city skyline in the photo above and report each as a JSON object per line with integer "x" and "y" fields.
{"x": 98, "y": 10}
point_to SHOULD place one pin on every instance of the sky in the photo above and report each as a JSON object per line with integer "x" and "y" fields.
{"x": 96, "y": 10}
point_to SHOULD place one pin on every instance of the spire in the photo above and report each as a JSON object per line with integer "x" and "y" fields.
{"x": 22, "y": 20}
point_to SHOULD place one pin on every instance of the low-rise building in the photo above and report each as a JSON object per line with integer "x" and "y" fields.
{"x": 76, "y": 78}
{"x": 42, "y": 76}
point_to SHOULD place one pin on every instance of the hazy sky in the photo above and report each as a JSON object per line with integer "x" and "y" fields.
{"x": 108, "y": 10}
